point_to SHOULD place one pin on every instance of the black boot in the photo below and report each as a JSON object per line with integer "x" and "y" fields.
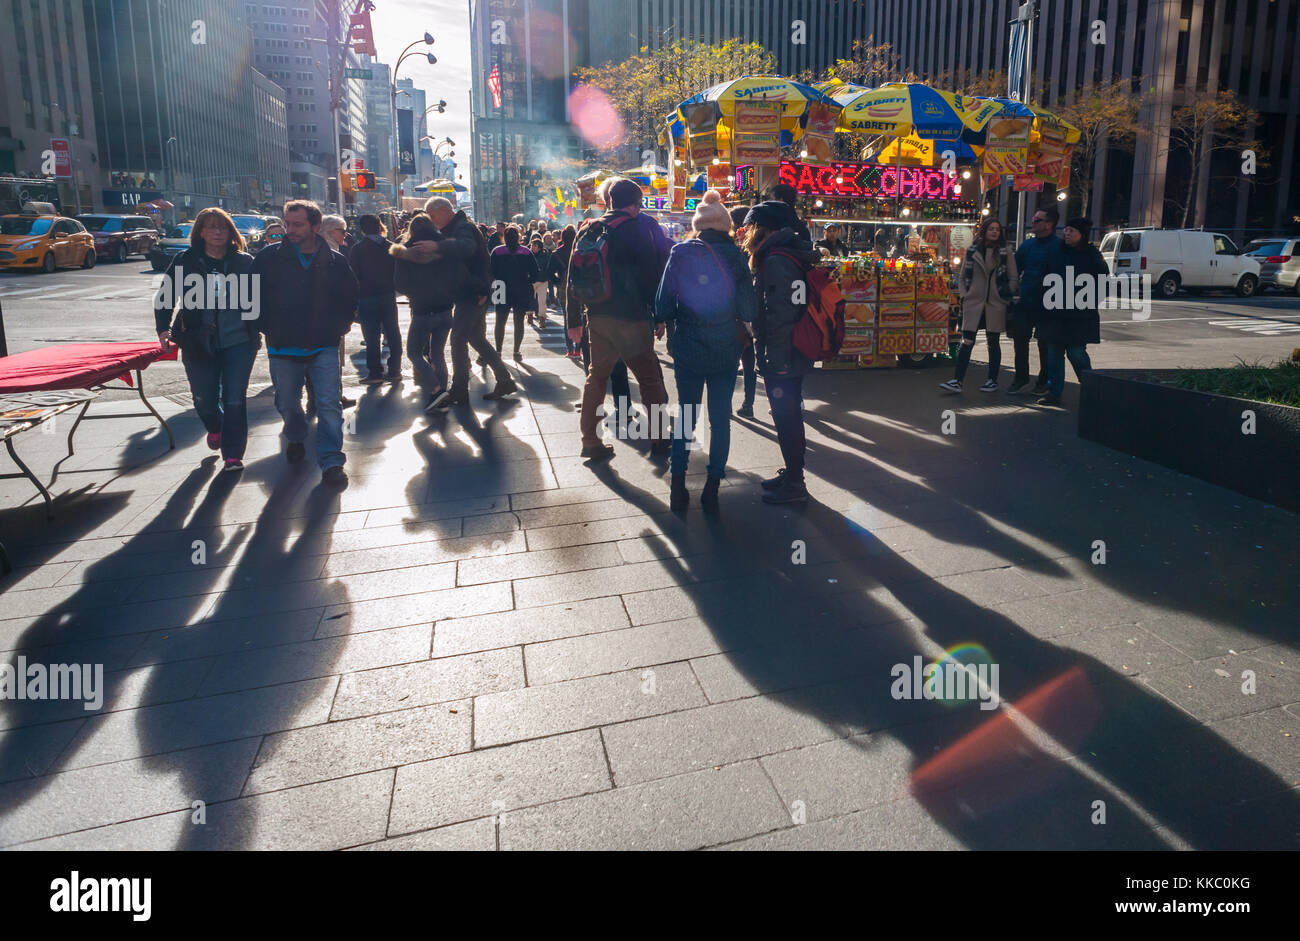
{"x": 709, "y": 498}
{"x": 680, "y": 497}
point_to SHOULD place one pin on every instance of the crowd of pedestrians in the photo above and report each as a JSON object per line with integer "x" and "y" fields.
{"x": 726, "y": 299}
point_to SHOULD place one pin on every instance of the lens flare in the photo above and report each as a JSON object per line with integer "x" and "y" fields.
{"x": 964, "y": 656}
{"x": 595, "y": 118}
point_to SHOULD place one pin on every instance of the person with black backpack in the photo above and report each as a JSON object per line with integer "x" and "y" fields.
{"x": 781, "y": 260}
{"x": 614, "y": 271}
{"x": 708, "y": 291}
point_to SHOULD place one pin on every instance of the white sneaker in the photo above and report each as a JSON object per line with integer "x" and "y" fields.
{"x": 952, "y": 385}
{"x": 989, "y": 386}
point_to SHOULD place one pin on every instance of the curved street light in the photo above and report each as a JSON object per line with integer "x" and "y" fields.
{"x": 428, "y": 40}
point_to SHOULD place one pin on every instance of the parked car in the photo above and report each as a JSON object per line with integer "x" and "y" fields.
{"x": 253, "y": 229}
{"x": 1181, "y": 258}
{"x": 116, "y": 237}
{"x": 1279, "y": 262}
{"x": 44, "y": 242}
{"x": 174, "y": 241}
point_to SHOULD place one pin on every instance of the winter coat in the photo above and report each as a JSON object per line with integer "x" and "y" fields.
{"x": 777, "y": 311}
{"x": 979, "y": 287}
{"x": 202, "y": 323}
{"x": 707, "y": 289}
{"x": 544, "y": 259}
{"x": 373, "y": 266}
{"x": 1034, "y": 258}
{"x": 467, "y": 246}
{"x": 306, "y": 308}
{"x": 429, "y": 283}
{"x": 517, "y": 270}
{"x": 638, "y": 253}
{"x": 1067, "y": 322}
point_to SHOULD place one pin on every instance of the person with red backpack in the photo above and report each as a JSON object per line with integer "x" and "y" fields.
{"x": 614, "y": 273}
{"x": 782, "y": 263}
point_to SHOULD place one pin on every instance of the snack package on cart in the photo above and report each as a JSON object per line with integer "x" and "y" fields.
{"x": 898, "y": 285}
{"x": 932, "y": 313}
{"x": 858, "y": 340}
{"x": 893, "y": 341}
{"x": 932, "y": 286}
{"x": 931, "y": 339}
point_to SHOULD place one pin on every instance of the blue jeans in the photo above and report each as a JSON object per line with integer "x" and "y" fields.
{"x": 1056, "y": 356}
{"x": 690, "y": 393}
{"x": 379, "y": 314}
{"x": 288, "y": 374}
{"x": 219, "y": 386}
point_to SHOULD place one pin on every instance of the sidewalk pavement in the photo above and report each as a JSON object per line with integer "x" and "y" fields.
{"x": 485, "y": 643}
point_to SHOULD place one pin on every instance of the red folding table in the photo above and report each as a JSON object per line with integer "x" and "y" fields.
{"x": 87, "y": 366}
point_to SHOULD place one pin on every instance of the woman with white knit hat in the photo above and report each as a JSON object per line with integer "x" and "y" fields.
{"x": 707, "y": 290}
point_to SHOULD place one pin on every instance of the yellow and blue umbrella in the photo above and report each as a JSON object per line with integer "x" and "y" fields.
{"x": 911, "y": 109}
{"x": 794, "y": 97}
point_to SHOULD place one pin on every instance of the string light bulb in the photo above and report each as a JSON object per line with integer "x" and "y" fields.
{"x": 984, "y": 211}
{"x": 965, "y": 174}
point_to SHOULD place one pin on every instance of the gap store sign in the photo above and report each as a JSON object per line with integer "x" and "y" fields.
{"x": 860, "y": 181}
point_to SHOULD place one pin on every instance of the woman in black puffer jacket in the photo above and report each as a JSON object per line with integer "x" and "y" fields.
{"x": 514, "y": 270}
{"x": 430, "y": 285}
{"x": 780, "y": 259}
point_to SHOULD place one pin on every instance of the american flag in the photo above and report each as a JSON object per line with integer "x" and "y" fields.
{"x": 494, "y": 85}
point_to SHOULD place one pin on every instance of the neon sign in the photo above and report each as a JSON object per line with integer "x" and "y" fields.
{"x": 663, "y": 203}
{"x": 861, "y": 181}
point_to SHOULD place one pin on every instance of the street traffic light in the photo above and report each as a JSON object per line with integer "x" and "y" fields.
{"x": 365, "y": 181}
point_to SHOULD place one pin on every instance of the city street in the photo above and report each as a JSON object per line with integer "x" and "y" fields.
{"x": 112, "y": 303}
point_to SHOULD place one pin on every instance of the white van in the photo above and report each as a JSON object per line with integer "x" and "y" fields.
{"x": 1181, "y": 258}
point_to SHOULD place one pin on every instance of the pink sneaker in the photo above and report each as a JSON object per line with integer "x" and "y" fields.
{"x": 214, "y": 441}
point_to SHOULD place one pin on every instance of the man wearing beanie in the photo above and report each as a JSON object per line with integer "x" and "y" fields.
{"x": 1068, "y": 328}
{"x": 620, "y": 326}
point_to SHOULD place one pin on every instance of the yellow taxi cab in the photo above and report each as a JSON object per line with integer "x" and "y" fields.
{"x": 44, "y": 241}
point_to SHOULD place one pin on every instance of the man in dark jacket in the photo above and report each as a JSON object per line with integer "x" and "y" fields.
{"x": 465, "y": 243}
{"x": 309, "y": 294}
{"x": 377, "y": 301}
{"x": 1035, "y": 257}
{"x": 621, "y": 326}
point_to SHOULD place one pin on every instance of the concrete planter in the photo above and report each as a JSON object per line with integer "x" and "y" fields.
{"x": 1141, "y": 413}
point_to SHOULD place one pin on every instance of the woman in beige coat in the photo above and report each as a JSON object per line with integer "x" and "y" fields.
{"x": 983, "y": 306}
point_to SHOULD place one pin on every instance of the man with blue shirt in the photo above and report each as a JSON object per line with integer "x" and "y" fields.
{"x": 1035, "y": 257}
{"x": 309, "y": 295}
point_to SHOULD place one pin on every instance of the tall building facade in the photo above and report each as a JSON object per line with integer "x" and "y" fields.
{"x": 1175, "y": 51}
{"x": 175, "y": 104}
{"x": 537, "y": 66}
{"x": 272, "y": 140}
{"x": 48, "y": 95}
{"x": 380, "y": 127}
{"x": 301, "y": 45}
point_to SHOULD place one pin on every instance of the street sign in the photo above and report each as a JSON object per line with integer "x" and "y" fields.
{"x": 366, "y": 74}
{"x": 62, "y": 157}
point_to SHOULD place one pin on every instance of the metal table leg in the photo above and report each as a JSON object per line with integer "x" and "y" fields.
{"x": 80, "y": 416}
{"x": 139, "y": 382}
{"x": 45, "y": 494}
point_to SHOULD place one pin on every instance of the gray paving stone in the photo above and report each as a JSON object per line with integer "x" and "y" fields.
{"x": 534, "y": 564}
{"x": 30, "y": 751}
{"x": 491, "y": 524}
{"x": 613, "y": 651}
{"x": 661, "y": 746}
{"x": 1198, "y": 637}
{"x": 578, "y": 704}
{"x": 902, "y": 825}
{"x": 439, "y": 510}
{"x": 328, "y": 656}
{"x": 126, "y": 790}
{"x": 1125, "y": 648}
{"x": 337, "y": 591}
{"x": 1069, "y": 613}
{"x": 605, "y": 530}
{"x": 210, "y": 638}
{"x": 355, "y": 746}
{"x": 424, "y": 607}
{"x": 532, "y": 625}
{"x": 681, "y": 813}
{"x": 300, "y": 818}
{"x": 394, "y": 557}
{"x": 563, "y": 496}
{"x": 430, "y": 681}
{"x": 479, "y": 835}
{"x": 155, "y": 730}
{"x": 1212, "y": 689}
{"x": 572, "y": 513}
{"x": 494, "y": 780}
{"x": 579, "y": 586}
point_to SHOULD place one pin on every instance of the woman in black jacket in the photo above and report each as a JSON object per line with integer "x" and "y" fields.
{"x": 377, "y": 300}
{"x": 218, "y": 345}
{"x": 542, "y": 286}
{"x": 429, "y": 283}
{"x": 514, "y": 271}
{"x": 779, "y": 259}
{"x": 1070, "y": 325}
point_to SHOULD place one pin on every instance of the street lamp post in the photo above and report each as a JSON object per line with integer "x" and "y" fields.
{"x": 433, "y": 60}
